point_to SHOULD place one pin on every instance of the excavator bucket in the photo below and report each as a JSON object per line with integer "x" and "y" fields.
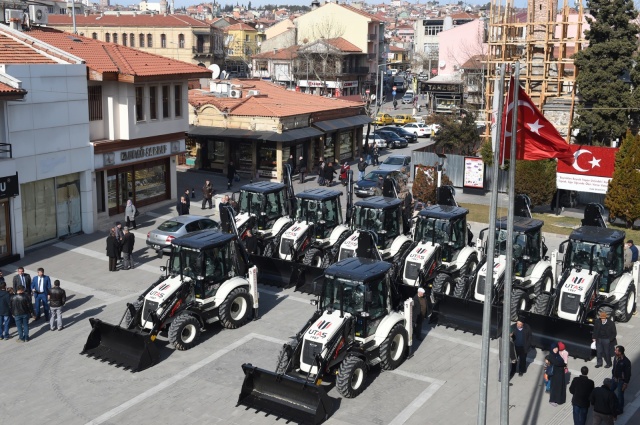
{"x": 547, "y": 330}
{"x": 466, "y": 315}
{"x": 284, "y": 396}
{"x": 123, "y": 347}
{"x": 273, "y": 271}
{"x": 304, "y": 277}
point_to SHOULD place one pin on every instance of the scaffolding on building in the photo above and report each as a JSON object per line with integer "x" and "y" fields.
{"x": 543, "y": 39}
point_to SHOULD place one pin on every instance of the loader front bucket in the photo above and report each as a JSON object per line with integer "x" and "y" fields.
{"x": 303, "y": 277}
{"x": 122, "y": 347}
{"x": 284, "y": 396}
{"x": 466, "y": 315}
{"x": 547, "y": 330}
{"x": 273, "y": 271}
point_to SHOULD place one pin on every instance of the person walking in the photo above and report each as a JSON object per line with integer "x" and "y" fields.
{"x": 581, "y": 388}
{"x": 634, "y": 251}
{"x": 21, "y": 310}
{"x": 231, "y": 174}
{"x": 128, "y": 240}
{"x": 40, "y": 286}
{"x": 130, "y": 214}
{"x": 181, "y": 207}
{"x": 521, "y": 335}
{"x": 329, "y": 174}
{"x": 5, "y": 311}
{"x": 605, "y": 404}
{"x": 620, "y": 374}
{"x": 558, "y": 389}
{"x": 207, "y": 195}
{"x": 362, "y": 166}
{"x": 604, "y": 332}
{"x": 187, "y": 198}
{"x": 112, "y": 250}
{"x": 119, "y": 236}
{"x": 376, "y": 155}
{"x": 303, "y": 169}
{"x": 57, "y": 299}
{"x": 344, "y": 173}
{"x": 321, "y": 171}
{"x": 419, "y": 312}
{"x": 23, "y": 279}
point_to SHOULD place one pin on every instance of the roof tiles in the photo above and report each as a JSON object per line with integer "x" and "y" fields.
{"x": 140, "y": 20}
{"x": 15, "y": 52}
{"x": 7, "y": 89}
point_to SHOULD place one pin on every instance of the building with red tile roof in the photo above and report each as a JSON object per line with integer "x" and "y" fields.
{"x": 258, "y": 124}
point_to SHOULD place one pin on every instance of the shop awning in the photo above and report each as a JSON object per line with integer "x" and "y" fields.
{"x": 270, "y": 136}
{"x": 340, "y": 123}
{"x": 293, "y": 135}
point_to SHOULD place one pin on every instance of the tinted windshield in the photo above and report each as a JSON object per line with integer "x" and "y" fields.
{"x": 394, "y": 161}
{"x": 368, "y": 219}
{"x": 308, "y": 210}
{"x": 170, "y": 226}
{"x": 501, "y": 241}
{"x": 351, "y": 294}
{"x": 251, "y": 203}
{"x": 372, "y": 177}
{"x": 186, "y": 260}
{"x": 433, "y": 230}
{"x": 580, "y": 254}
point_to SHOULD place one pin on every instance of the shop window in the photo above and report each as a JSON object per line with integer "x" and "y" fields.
{"x": 95, "y": 103}
{"x": 267, "y": 161}
{"x": 149, "y": 40}
{"x": 243, "y": 156}
{"x": 215, "y": 154}
{"x": 5, "y": 228}
{"x": 165, "y": 101}
{"x": 346, "y": 145}
{"x": 68, "y": 213}
{"x": 132, "y": 40}
{"x": 153, "y": 103}
{"x": 329, "y": 149}
{"x": 150, "y": 182}
{"x": 141, "y": 40}
{"x": 140, "y": 104}
{"x": 144, "y": 184}
{"x": 177, "y": 101}
{"x": 181, "y": 41}
{"x": 100, "y": 198}
{"x": 163, "y": 41}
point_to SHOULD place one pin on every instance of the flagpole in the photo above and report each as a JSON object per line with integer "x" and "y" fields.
{"x": 508, "y": 278}
{"x": 491, "y": 240}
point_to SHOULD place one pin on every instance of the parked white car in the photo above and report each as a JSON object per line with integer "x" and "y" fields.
{"x": 419, "y": 129}
{"x": 379, "y": 141}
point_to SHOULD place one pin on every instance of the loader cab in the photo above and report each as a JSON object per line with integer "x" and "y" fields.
{"x": 321, "y": 208}
{"x": 360, "y": 287}
{"x": 598, "y": 250}
{"x": 446, "y": 226}
{"x": 380, "y": 215}
{"x": 266, "y": 201}
{"x": 528, "y": 246}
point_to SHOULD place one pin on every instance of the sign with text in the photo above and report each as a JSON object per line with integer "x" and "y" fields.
{"x": 9, "y": 186}
{"x": 591, "y": 171}
{"x": 473, "y": 173}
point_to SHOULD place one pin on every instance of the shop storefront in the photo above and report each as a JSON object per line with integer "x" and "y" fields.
{"x": 330, "y": 88}
{"x": 9, "y": 187}
{"x": 342, "y": 136}
{"x": 444, "y": 97}
{"x": 142, "y": 174}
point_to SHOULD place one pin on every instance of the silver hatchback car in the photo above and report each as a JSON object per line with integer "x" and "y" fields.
{"x": 160, "y": 238}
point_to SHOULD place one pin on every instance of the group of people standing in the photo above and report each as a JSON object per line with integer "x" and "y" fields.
{"x": 120, "y": 244}
{"x": 16, "y": 302}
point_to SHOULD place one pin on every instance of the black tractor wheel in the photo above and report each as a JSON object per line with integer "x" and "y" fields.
{"x": 393, "y": 350}
{"x": 545, "y": 284}
{"x": 235, "y": 310}
{"x": 626, "y": 304}
{"x": 443, "y": 284}
{"x": 460, "y": 290}
{"x": 313, "y": 257}
{"x": 541, "y": 304}
{"x": 519, "y": 302}
{"x": 469, "y": 266}
{"x": 129, "y": 321}
{"x": 284, "y": 358}
{"x": 269, "y": 250}
{"x": 184, "y": 332}
{"x": 352, "y": 376}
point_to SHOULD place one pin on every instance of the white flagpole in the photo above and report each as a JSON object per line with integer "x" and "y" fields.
{"x": 498, "y": 100}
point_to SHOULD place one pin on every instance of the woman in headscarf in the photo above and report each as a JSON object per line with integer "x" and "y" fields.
{"x": 558, "y": 393}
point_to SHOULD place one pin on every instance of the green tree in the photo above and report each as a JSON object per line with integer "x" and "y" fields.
{"x": 425, "y": 182}
{"x": 536, "y": 179}
{"x": 606, "y": 72}
{"x": 622, "y": 198}
{"x": 457, "y": 135}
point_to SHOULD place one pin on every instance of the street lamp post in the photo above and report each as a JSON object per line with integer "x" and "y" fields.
{"x": 380, "y": 98}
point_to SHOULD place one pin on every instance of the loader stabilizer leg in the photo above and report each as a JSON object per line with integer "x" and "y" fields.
{"x": 284, "y": 396}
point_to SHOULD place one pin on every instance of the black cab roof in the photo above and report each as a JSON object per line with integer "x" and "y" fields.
{"x": 379, "y": 202}
{"x": 358, "y": 269}
{"x": 204, "y": 239}
{"x": 319, "y": 194}
{"x": 600, "y": 235}
{"x": 262, "y": 187}
{"x": 446, "y": 212}
{"x": 520, "y": 224}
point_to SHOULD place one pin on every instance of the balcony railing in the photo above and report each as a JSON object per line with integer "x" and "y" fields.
{"x": 372, "y": 37}
{"x": 371, "y": 56}
{"x": 201, "y": 50}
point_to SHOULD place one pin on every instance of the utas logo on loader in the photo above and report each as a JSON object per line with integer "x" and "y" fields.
{"x": 322, "y": 325}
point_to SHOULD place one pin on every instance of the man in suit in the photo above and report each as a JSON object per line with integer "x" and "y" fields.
{"x": 41, "y": 285}
{"x": 23, "y": 279}
{"x": 521, "y": 335}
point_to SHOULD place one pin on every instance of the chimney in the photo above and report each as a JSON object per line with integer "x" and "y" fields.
{"x": 118, "y": 14}
{"x": 86, "y": 13}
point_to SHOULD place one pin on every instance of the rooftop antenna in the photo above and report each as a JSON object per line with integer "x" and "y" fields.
{"x": 73, "y": 16}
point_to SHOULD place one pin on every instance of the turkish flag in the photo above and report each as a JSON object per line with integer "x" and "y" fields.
{"x": 597, "y": 161}
{"x": 536, "y": 137}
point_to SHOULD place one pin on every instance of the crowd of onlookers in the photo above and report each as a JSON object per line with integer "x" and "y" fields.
{"x": 26, "y": 299}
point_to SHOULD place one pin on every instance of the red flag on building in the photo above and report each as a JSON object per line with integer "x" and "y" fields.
{"x": 536, "y": 137}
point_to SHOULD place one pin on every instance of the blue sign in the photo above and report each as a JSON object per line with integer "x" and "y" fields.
{"x": 393, "y": 93}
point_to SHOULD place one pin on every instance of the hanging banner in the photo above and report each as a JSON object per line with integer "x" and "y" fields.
{"x": 591, "y": 171}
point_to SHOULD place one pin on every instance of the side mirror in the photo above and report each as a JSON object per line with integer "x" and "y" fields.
{"x": 313, "y": 302}
{"x": 163, "y": 269}
{"x": 481, "y": 234}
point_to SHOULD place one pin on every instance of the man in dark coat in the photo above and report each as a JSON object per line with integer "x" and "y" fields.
{"x": 22, "y": 309}
{"x": 521, "y": 335}
{"x": 621, "y": 374}
{"x": 5, "y": 311}
{"x": 127, "y": 249}
{"x": 605, "y": 404}
{"x": 231, "y": 173}
{"x": 112, "y": 250}
{"x": 420, "y": 311}
{"x": 207, "y": 195}
{"x": 251, "y": 243}
{"x": 604, "y": 332}
{"x": 119, "y": 236}
{"x": 182, "y": 207}
{"x": 57, "y": 299}
{"x": 581, "y": 388}
{"x": 513, "y": 359}
{"x": 558, "y": 394}
{"x": 23, "y": 279}
{"x": 329, "y": 174}
{"x": 187, "y": 198}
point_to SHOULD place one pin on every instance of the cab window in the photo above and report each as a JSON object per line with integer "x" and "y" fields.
{"x": 458, "y": 234}
{"x": 331, "y": 213}
{"x": 392, "y": 223}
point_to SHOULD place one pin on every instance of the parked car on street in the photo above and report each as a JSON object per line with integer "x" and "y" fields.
{"x": 380, "y": 142}
{"x": 419, "y": 129}
{"x": 400, "y": 131}
{"x": 160, "y": 238}
{"x": 369, "y": 185}
{"x": 396, "y": 163}
{"x": 407, "y": 98}
{"x": 393, "y": 140}
{"x": 402, "y": 119}
{"x": 383, "y": 119}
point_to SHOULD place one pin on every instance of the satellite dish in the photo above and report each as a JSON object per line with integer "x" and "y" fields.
{"x": 442, "y": 63}
{"x": 215, "y": 69}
